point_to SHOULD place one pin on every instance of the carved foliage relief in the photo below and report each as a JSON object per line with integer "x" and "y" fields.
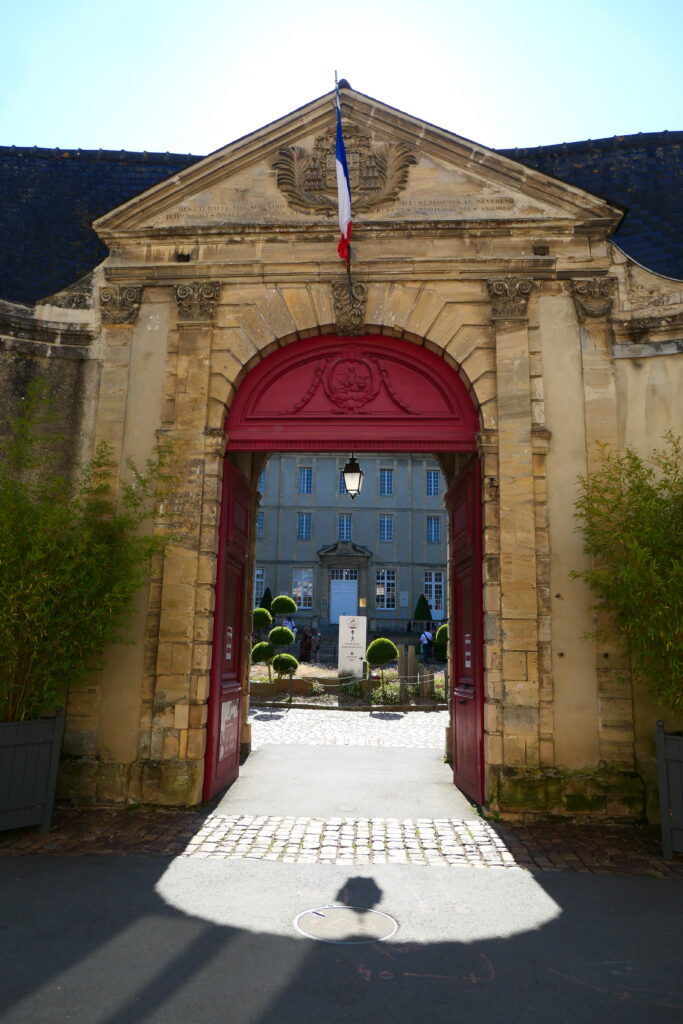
{"x": 349, "y": 306}
{"x": 196, "y": 300}
{"x": 351, "y": 382}
{"x": 309, "y": 179}
{"x": 509, "y": 297}
{"x": 120, "y": 304}
{"x": 593, "y": 296}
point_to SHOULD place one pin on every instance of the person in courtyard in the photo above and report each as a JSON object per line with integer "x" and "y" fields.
{"x": 305, "y": 645}
{"x": 316, "y": 640}
{"x": 289, "y": 623}
{"x": 426, "y": 642}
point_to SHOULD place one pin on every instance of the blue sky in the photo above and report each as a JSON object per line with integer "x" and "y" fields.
{"x": 162, "y": 75}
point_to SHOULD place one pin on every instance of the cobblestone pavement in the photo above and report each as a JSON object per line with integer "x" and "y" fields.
{"x": 349, "y": 728}
{"x": 441, "y": 842}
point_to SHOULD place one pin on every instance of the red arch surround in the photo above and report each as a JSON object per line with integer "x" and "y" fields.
{"x": 369, "y": 393}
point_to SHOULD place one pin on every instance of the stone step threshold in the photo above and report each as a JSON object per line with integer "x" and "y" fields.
{"x": 438, "y": 842}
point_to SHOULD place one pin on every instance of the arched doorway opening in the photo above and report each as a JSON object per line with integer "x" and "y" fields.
{"x": 371, "y": 393}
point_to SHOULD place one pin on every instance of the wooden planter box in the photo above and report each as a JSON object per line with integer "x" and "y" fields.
{"x": 670, "y": 774}
{"x": 298, "y": 686}
{"x": 263, "y": 689}
{"x": 29, "y": 762}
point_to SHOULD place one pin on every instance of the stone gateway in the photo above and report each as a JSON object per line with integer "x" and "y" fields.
{"x": 490, "y": 320}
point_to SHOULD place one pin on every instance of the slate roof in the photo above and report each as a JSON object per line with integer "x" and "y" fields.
{"x": 49, "y": 198}
{"x": 643, "y": 173}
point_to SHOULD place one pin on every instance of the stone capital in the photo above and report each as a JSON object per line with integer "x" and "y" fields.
{"x": 120, "y": 304}
{"x": 593, "y": 297}
{"x": 349, "y": 306}
{"x": 509, "y": 297}
{"x": 196, "y": 301}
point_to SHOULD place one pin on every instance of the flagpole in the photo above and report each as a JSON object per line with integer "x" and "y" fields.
{"x": 343, "y": 188}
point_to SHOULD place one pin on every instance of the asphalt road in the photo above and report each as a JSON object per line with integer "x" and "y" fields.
{"x": 146, "y": 940}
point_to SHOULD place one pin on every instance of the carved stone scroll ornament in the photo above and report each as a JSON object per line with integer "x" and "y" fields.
{"x": 309, "y": 180}
{"x": 351, "y": 382}
{"x": 349, "y": 306}
{"x": 593, "y": 296}
{"x": 120, "y": 304}
{"x": 509, "y": 297}
{"x": 197, "y": 300}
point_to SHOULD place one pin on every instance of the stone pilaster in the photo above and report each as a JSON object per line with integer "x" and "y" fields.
{"x": 594, "y": 298}
{"x": 185, "y": 593}
{"x": 519, "y": 625}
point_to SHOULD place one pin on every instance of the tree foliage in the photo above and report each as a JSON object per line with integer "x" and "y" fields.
{"x": 261, "y": 619}
{"x": 423, "y": 613}
{"x": 72, "y": 557}
{"x": 285, "y": 665}
{"x": 283, "y": 604}
{"x": 267, "y": 599}
{"x": 630, "y": 514}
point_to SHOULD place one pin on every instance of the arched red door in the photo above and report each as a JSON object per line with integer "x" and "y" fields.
{"x": 334, "y": 394}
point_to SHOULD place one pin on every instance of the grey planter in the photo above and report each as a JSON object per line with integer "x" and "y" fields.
{"x": 670, "y": 774}
{"x": 29, "y": 762}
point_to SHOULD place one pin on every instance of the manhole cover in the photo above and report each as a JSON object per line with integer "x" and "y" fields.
{"x": 345, "y": 924}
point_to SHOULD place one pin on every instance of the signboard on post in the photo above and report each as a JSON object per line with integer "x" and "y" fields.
{"x": 353, "y": 631}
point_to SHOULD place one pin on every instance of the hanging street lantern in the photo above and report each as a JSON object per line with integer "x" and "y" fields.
{"x": 353, "y": 477}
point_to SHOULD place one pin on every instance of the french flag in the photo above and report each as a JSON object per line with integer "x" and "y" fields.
{"x": 343, "y": 193}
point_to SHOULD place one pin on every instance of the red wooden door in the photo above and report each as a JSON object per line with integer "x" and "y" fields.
{"x": 225, "y": 698}
{"x": 467, "y": 690}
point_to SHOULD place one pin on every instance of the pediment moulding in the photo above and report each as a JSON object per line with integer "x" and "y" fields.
{"x": 509, "y": 297}
{"x": 196, "y": 301}
{"x": 401, "y": 168}
{"x": 120, "y": 304}
{"x": 594, "y": 297}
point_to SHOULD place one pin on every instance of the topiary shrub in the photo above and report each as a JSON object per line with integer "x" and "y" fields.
{"x": 283, "y": 605}
{"x": 261, "y": 619}
{"x": 263, "y": 654}
{"x": 267, "y": 599}
{"x": 442, "y": 634}
{"x": 280, "y": 636}
{"x": 380, "y": 652}
{"x": 285, "y": 664}
{"x": 423, "y": 613}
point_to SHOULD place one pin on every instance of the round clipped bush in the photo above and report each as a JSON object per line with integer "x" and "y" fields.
{"x": 442, "y": 634}
{"x": 262, "y": 653}
{"x": 283, "y": 605}
{"x": 281, "y": 636}
{"x": 262, "y": 619}
{"x": 381, "y": 651}
{"x": 285, "y": 664}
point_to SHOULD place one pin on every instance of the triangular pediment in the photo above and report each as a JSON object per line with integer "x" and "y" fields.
{"x": 402, "y": 170}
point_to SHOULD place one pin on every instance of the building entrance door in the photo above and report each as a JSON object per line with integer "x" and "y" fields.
{"x": 343, "y": 593}
{"x": 465, "y": 633}
{"x": 366, "y": 393}
{"x": 225, "y": 698}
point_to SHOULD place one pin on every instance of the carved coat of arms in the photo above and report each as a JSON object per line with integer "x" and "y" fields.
{"x": 309, "y": 180}
{"x": 350, "y": 381}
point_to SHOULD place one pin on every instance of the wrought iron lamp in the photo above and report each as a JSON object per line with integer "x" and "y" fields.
{"x": 353, "y": 477}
